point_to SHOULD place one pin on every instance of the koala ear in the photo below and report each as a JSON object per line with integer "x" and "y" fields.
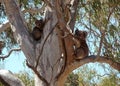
{"x": 37, "y": 22}
{"x": 41, "y": 20}
{"x": 85, "y": 34}
{"x": 76, "y": 31}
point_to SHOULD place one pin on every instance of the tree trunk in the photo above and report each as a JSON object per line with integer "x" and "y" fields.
{"x": 47, "y": 57}
{"x": 52, "y": 57}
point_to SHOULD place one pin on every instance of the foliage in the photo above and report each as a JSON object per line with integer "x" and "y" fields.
{"x": 8, "y": 38}
{"x": 111, "y": 80}
{"x": 101, "y": 19}
{"x": 25, "y": 77}
{"x": 1, "y": 84}
{"x": 72, "y": 80}
{"x": 89, "y": 75}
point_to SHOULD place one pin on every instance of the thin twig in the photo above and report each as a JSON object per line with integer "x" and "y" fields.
{"x": 89, "y": 28}
{"x": 101, "y": 43}
{"x": 48, "y": 3}
{"x": 6, "y": 56}
{"x": 111, "y": 12}
{"x": 34, "y": 10}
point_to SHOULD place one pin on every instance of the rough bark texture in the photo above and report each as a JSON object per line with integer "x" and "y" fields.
{"x": 52, "y": 57}
{"x": 19, "y": 29}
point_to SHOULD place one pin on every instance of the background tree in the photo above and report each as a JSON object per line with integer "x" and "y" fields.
{"x": 51, "y": 58}
{"x": 94, "y": 74}
{"x": 72, "y": 80}
{"x": 111, "y": 80}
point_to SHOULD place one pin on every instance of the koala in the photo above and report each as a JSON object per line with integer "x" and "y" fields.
{"x": 81, "y": 47}
{"x": 38, "y": 29}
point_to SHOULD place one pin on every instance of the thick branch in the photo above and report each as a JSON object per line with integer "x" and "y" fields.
{"x": 19, "y": 29}
{"x": 5, "y": 56}
{"x": 35, "y": 10}
{"x": 74, "y": 14}
{"x": 86, "y": 60}
{"x": 92, "y": 58}
{"x": 4, "y": 82}
{"x": 8, "y": 79}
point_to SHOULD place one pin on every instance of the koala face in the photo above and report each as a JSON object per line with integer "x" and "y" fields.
{"x": 81, "y": 35}
{"x": 39, "y": 23}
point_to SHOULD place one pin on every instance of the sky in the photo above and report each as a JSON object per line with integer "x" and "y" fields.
{"x": 15, "y": 62}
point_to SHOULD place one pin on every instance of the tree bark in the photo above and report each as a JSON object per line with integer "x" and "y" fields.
{"x": 19, "y": 29}
{"x": 52, "y": 57}
{"x": 8, "y": 79}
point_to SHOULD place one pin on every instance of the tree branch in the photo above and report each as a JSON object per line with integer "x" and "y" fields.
{"x": 30, "y": 10}
{"x": 3, "y": 57}
{"x": 86, "y": 60}
{"x": 112, "y": 10}
{"x": 19, "y": 29}
{"x": 73, "y": 14}
{"x": 92, "y": 58}
{"x": 101, "y": 43}
{"x": 4, "y": 82}
{"x": 48, "y": 3}
{"x": 9, "y": 79}
{"x": 34, "y": 10}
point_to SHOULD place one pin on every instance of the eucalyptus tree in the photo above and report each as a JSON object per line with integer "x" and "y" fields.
{"x": 52, "y": 57}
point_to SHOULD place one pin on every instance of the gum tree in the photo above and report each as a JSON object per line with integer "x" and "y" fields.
{"x": 51, "y": 58}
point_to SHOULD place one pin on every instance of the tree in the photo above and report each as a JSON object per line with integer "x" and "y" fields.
{"x": 111, "y": 80}
{"x": 51, "y": 58}
{"x": 72, "y": 80}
